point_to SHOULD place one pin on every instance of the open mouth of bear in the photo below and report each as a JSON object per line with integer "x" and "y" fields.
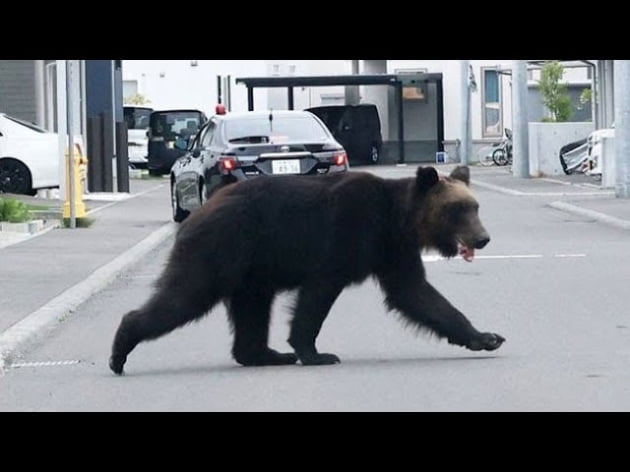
{"x": 467, "y": 252}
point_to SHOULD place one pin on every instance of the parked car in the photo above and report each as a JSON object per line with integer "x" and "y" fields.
{"x": 356, "y": 127}
{"x": 594, "y": 141}
{"x": 238, "y": 146}
{"x": 169, "y": 132}
{"x": 29, "y": 157}
{"x": 137, "y": 119}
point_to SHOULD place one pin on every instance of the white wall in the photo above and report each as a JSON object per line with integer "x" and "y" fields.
{"x": 184, "y": 86}
{"x": 304, "y": 97}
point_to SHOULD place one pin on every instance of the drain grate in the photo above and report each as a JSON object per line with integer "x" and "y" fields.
{"x": 17, "y": 365}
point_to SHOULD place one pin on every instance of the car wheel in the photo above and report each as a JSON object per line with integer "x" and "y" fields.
{"x": 375, "y": 155}
{"x": 179, "y": 214}
{"x": 15, "y": 177}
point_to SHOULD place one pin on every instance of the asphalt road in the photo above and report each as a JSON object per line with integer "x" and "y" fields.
{"x": 555, "y": 285}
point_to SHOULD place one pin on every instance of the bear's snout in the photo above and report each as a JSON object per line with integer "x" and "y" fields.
{"x": 482, "y": 242}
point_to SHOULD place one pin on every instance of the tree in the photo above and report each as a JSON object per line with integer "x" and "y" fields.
{"x": 136, "y": 99}
{"x": 554, "y": 94}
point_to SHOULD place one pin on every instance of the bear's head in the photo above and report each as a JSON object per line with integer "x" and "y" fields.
{"x": 447, "y": 215}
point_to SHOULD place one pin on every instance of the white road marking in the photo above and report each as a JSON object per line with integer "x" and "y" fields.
{"x": 436, "y": 258}
{"x": 17, "y": 365}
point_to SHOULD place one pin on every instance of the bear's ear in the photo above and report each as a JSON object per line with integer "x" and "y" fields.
{"x": 426, "y": 177}
{"x": 461, "y": 173}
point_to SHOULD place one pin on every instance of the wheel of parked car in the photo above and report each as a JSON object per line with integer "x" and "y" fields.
{"x": 14, "y": 177}
{"x": 179, "y": 214}
{"x": 374, "y": 154}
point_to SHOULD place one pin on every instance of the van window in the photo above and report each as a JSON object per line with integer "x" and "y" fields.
{"x": 137, "y": 118}
{"x": 175, "y": 124}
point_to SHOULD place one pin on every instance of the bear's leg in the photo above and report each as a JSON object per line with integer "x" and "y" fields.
{"x": 250, "y": 313}
{"x": 313, "y": 304}
{"x": 172, "y": 305}
{"x": 420, "y": 303}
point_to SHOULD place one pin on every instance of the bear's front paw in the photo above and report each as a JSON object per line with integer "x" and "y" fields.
{"x": 319, "y": 359}
{"x": 486, "y": 341}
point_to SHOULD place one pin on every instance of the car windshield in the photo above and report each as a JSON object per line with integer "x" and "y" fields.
{"x": 285, "y": 128}
{"x": 31, "y": 126}
{"x": 137, "y": 118}
{"x": 177, "y": 124}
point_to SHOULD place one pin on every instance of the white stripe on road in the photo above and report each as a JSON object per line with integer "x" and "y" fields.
{"x": 436, "y": 258}
{"x": 17, "y": 365}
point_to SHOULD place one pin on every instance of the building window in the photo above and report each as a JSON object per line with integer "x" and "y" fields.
{"x": 491, "y": 104}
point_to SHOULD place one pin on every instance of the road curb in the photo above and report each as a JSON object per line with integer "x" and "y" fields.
{"x": 35, "y": 326}
{"x": 596, "y": 215}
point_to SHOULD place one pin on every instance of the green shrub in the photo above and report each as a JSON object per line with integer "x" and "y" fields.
{"x": 555, "y": 95}
{"x": 13, "y": 211}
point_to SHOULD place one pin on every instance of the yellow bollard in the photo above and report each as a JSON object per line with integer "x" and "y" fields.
{"x": 80, "y": 165}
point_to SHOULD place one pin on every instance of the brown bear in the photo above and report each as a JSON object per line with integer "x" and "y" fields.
{"x": 318, "y": 235}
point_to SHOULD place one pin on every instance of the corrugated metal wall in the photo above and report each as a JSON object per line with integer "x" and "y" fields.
{"x": 17, "y": 89}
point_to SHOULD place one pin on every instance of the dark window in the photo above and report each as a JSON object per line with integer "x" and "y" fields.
{"x": 176, "y": 124}
{"x": 137, "y": 118}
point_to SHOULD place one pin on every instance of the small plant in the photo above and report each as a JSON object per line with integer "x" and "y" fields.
{"x": 13, "y": 211}
{"x": 80, "y": 222}
{"x": 554, "y": 94}
{"x": 137, "y": 99}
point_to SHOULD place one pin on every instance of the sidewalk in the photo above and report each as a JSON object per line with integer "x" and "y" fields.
{"x": 45, "y": 278}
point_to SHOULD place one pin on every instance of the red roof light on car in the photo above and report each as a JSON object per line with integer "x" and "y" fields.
{"x": 220, "y": 109}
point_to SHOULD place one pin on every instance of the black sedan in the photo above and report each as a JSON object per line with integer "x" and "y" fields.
{"x": 239, "y": 146}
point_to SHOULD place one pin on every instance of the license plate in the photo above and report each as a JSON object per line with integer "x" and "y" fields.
{"x": 285, "y": 166}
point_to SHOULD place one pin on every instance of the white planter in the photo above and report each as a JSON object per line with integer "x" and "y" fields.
{"x": 545, "y": 141}
{"x": 28, "y": 227}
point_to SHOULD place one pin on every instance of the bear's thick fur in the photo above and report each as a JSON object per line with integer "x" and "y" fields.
{"x": 317, "y": 235}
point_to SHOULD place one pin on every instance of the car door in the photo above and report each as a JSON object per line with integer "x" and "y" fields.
{"x": 200, "y": 154}
{"x": 36, "y": 148}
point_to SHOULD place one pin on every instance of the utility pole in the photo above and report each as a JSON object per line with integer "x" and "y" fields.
{"x": 70, "y": 159}
{"x": 622, "y": 128}
{"x": 520, "y": 133}
{"x": 465, "y": 148}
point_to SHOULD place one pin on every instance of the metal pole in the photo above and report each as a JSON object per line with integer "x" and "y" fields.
{"x": 520, "y": 133}
{"x": 250, "y": 98}
{"x": 70, "y": 160}
{"x": 219, "y": 94}
{"x": 622, "y": 128}
{"x": 401, "y": 122}
{"x": 464, "y": 133}
{"x": 228, "y": 92}
{"x": 40, "y": 94}
{"x": 290, "y": 98}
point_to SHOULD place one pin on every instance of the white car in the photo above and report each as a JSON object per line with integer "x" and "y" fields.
{"x": 137, "y": 119}
{"x": 595, "y": 148}
{"x": 29, "y": 157}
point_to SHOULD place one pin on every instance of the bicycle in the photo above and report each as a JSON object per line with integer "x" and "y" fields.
{"x": 502, "y": 156}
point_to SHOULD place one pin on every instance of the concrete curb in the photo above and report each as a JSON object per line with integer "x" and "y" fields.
{"x": 596, "y": 215}
{"x": 35, "y": 326}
